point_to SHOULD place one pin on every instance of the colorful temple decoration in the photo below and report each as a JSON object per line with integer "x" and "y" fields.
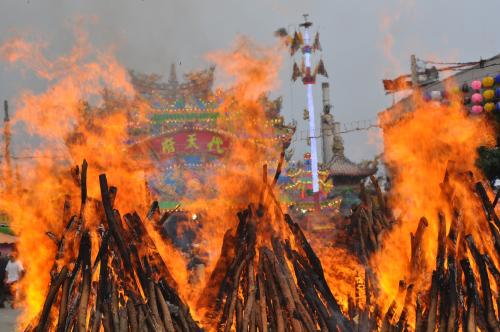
{"x": 184, "y": 134}
{"x": 298, "y": 188}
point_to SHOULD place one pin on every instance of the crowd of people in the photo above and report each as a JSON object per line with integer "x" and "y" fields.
{"x": 11, "y": 272}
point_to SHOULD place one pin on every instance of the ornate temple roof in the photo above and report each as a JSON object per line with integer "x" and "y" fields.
{"x": 196, "y": 84}
{"x": 341, "y": 166}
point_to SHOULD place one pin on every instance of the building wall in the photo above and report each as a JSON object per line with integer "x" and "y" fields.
{"x": 491, "y": 67}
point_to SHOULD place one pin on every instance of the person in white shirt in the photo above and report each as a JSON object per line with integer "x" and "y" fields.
{"x": 14, "y": 271}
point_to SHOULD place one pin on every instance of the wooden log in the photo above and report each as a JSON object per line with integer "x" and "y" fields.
{"x": 250, "y": 298}
{"x": 141, "y": 319}
{"x": 239, "y": 314}
{"x": 85, "y": 248}
{"x": 122, "y": 313}
{"x": 253, "y": 323}
{"x": 272, "y": 292}
{"x": 153, "y": 305}
{"x": 63, "y": 305}
{"x": 83, "y": 187}
{"x": 96, "y": 322}
{"x": 107, "y": 323}
{"x": 106, "y": 202}
{"x": 416, "y": 260}
{"x": 441, "y": 253}
{"x": 380, "y": 196}
{"x": 167, "y": 318}
{"x": 231, "y": 301}
{"x": 307, "y": 286}
{"x": 132, "y": 316}
{"x": 419, "y": 315}
{"x": 403, "y": 318}
{"x": 285, "y": 289}
{"x": 262, "y": 298}
{"x": 452, "y": 289}
{"x": 283, "y": 265}
{"x": 471, "y": 303}
{"x": 49, "y": 300}
{"x": 488, "y": 207}
{"x": 489, "y": 311}
{"x": 389, "y": 316}
{"x": 433, "y": 304}
{"x": 115, "y": 317}
{"x": 495, "y": 273}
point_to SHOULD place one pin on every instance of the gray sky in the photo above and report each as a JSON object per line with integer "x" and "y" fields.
{"x": 363, "y": 41}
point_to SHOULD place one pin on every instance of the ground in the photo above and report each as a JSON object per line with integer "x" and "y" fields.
{"x": 8, "y": 319}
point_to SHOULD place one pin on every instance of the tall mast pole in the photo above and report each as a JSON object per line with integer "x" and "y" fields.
{"x": 309, "y": 81}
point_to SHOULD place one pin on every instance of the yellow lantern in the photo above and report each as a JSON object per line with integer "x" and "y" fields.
{"x": 488, "y": 107}
{"x": 488, "y": 94}
{"x": 488, "y": 81}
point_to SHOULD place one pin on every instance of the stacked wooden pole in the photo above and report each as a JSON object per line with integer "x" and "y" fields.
{"x": 269, "y": 280}
{"x": 369, "y": 222}
{"x": 127, "y": 287}
{"x": 464, "y": 292}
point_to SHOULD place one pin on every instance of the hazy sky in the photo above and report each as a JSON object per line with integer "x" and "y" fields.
{"x": 363, "y": 42}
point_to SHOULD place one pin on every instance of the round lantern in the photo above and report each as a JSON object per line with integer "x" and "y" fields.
{"x": 466, "y": 100}
{"x": 488, "y": 94}
{"x": 477, "y": 98}
{"x": 436, "y": 95}
{"x": 476, "y": 85}
{"x": 497, "y": 79}
{"x": 488, "y": 107}
{"x": 488, "y": 81}
{"x": 476, "y": 109}
{"x": 465, "y": 87}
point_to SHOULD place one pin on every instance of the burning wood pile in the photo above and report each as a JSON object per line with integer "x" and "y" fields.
{"x": 127, "y": 287}
{"x": 369, "y": 221}
{"x": 278, "y": 286}
{"x": 268, "y": 277}
{"x": 463, "y": 290}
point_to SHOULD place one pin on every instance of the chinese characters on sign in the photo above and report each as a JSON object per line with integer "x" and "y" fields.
{"x": 189, "y": 142}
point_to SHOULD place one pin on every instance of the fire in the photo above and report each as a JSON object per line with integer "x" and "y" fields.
{"x": 420, "y": 148}
{"x": 78, "y": 117}
{"x": 250, "y": 71}
{"x": 68, "y": 130}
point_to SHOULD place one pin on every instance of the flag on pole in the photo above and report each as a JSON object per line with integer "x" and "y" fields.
{"x": 296, "y": 72}
{"x": 320, "y": 68}
{"x": 295, "y": 44}
{"x": 316, "y": 44}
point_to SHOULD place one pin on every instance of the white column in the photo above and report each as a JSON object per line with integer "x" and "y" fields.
{"x": 312, "y": 117}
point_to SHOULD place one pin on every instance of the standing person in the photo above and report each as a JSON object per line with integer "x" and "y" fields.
{"x": 14, "y": 271}
{"x": 3, "y": 287}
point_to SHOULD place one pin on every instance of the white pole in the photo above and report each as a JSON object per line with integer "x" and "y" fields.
{"x": 312, "y": 117}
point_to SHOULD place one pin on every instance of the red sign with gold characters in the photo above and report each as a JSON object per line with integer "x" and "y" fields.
{"x": 185, "y": 142}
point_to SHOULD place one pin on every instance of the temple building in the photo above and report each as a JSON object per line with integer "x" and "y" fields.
{"x": 182, "y": 134}
{"x": 340, "y": 169}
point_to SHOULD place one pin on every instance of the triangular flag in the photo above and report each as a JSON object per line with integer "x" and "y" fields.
{"x": 301, "y": 40}
{"x": 296, "y": 72}
{"x": 320, "y": 69}
{"x": 317, "y": 45}
{"x": 295, "y": 44}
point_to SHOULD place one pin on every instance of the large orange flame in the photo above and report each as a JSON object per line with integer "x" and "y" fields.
{"x": 420, "y": 145}
{"x": 68, "y": 130}
{"x": 251, "y": 72}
